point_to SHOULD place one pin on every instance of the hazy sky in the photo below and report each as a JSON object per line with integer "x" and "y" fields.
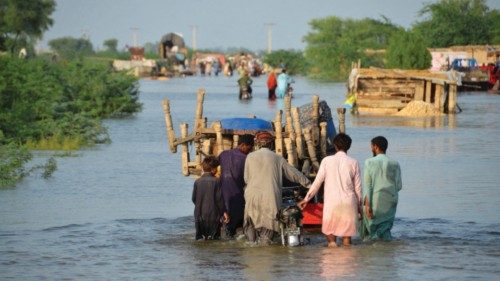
{"x": 220, "y": 23}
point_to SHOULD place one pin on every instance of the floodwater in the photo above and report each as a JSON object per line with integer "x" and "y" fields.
{"x": 122, "y": 211}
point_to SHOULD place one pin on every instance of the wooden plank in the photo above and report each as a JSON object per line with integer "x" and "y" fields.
{"x": 428, "y": 91}
{"x": 419, "y": 91}
{"x": 384, "y": 97}
{"x": 383, "y": 111}
{"x": 393, "y": 103}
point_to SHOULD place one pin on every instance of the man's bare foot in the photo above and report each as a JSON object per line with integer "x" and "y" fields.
{"x": 346, "y": 241}
{"x": 332, "y": 245}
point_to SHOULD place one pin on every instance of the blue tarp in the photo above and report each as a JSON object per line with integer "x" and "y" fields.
{"x": 246, "y": 124}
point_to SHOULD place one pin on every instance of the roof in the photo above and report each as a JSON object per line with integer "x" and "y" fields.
{"x": 399, "y": 73}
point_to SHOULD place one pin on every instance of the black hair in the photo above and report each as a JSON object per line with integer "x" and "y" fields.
{"x": 342, "y": 142}
{"x": 381, "y": 142}
{"x": 246, "y": 139}
{"x": 209, "y": 163}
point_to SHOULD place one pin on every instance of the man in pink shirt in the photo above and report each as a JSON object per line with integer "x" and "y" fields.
{"x": 342, "y": 194}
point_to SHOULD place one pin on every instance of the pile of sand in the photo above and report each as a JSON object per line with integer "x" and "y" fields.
{"x": 419, "y": 109}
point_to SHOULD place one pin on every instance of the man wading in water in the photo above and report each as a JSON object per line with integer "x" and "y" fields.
{"x": 264, "y": 171}
{"x": 232, "y": 163}
{"x": 382, "y": 182}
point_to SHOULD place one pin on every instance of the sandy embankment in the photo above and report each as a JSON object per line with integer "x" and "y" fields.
{"x": 419, "y": 109}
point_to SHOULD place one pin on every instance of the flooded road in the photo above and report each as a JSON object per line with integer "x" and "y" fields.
{"x": 122, "y": 211}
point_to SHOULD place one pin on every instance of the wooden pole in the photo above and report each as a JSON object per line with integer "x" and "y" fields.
{"x": 288, "y": 115}
{"x": 185, "y": 150}
{"x": 315, "y": 117}
{"x": 290, "y": 152}
{"x": 235, "y": 140}
{"x": 218, "y": 135}
{"x": 199, "y": 110}
{"x": 452, "y": 101}
{"x": 278, "y": 142}
{"x": 341, "y": 114}
{"x": 198, "y": 152}
{"x": 323, "y": 134}
{"x": 207, "y": 143}
{"x": 298, "y": 129}
{"x": 306, "y": 167}
{"x": 310, "y": 148}
{"x": 170, "y": 127}
{"x": 428, "y": 88}
{"x": 438, "y": 104}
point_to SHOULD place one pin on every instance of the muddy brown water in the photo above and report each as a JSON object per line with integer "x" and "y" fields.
{"x": 122, "y": 211}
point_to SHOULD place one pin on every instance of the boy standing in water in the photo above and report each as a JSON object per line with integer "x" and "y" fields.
{"x": 209, "y": 209}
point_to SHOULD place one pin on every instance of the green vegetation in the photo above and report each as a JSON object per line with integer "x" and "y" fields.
{"x": 294, "y": 61}
{"x": 407, "y": 50}
{"x": 57, "y": 106}
{"x": 457, "y": 22}
{"x": 22, "y": 22}
{"x": 69, "y": 47}
{"x": 111, "y": 45}
{"x": 335, "y": 43}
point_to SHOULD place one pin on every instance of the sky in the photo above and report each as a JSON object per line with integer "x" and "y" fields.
{"x": 218, "y": 23}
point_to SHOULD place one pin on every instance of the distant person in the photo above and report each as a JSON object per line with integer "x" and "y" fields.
{"x": 264, "y": 173}
{"x": 342, "y": 193}
{"x": 272, "y": 84}
{"x": 284, "y": 81}
{"x": 382, "y": 182}
{"x": 232, "y": 163}
{"x": 209, "y": 210}
{"x": 245, "y": 84}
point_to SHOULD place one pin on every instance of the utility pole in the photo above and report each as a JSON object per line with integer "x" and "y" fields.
{"x": 270, "y": 36}
{"x": 193, "y": 36}
{"x": 134, "y": 35}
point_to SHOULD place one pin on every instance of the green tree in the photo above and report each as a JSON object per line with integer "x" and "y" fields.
{"x": 69, "y": 47}
{"x": 111, "y": 45}
{"x": 294, "y": 61}
{"x": 495, "y": 27}
{"x": 407, "y": 50}
{"x": 22, "y": 22}
{"x": 456, "y": 22}
{"x": 334, "y": 43}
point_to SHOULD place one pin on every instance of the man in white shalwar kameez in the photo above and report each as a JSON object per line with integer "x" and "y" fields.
{"x": 264, "y": 171}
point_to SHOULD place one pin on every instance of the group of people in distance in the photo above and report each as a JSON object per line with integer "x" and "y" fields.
{"x": 246, "y": 193}
{"x": 278, "y": 86}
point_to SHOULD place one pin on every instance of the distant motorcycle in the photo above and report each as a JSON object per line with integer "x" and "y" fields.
{"x": 245, "y": 93}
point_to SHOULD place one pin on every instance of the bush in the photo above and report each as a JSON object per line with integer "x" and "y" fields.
{"x": 294, "y": 61}
{"x": 54, "y": 106}
{"x": 407, "y": 50}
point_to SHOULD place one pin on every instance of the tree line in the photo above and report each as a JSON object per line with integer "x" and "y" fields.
{"x": 333, "y": 43}
{"x": 48, "y": 103}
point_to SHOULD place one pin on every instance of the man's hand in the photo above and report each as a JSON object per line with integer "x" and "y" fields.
{"x": 226, "y": 218}
{"x": 368, "y": 212}
{"x": 302, "y": 204}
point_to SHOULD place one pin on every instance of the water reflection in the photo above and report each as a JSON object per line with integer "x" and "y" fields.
{"x": 338, "y": 263}
{"x": 449, "y": 121}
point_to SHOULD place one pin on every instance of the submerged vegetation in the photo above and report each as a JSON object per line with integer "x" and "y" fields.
{"x": 47, "y": 105}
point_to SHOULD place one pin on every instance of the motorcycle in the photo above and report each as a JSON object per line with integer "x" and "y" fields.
{"x": 290, "y": 218}
{"x": 245, "y": 93}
